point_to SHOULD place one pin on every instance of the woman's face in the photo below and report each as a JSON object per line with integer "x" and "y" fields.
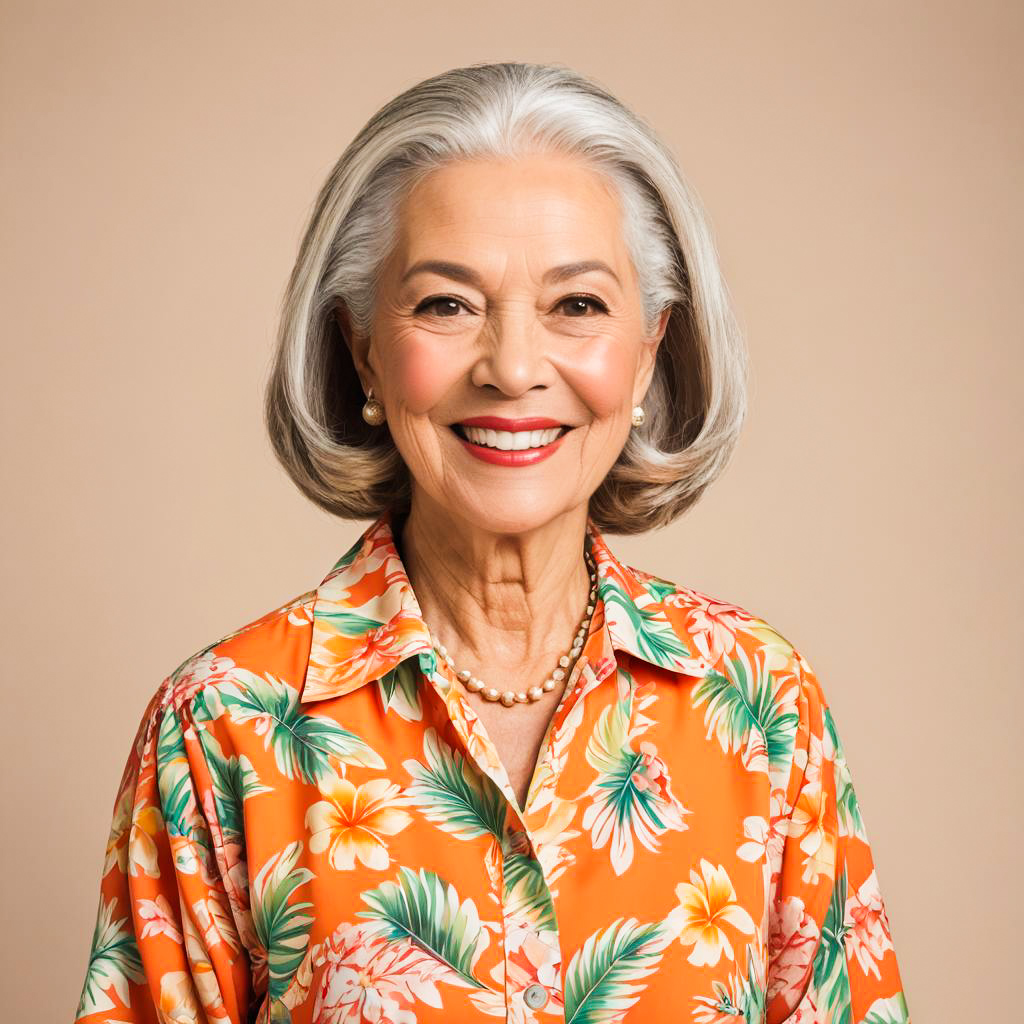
{"x": 481, "y": 314}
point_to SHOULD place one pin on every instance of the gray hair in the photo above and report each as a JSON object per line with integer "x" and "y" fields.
{"x": 696, "y": 401}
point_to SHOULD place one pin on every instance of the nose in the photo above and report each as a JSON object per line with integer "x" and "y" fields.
{"x": 512, "y": 355}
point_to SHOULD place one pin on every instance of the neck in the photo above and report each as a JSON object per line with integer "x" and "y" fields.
{"x": 497, "y": 601}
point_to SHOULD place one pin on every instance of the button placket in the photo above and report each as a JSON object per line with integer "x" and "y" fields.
{"x": 533, "y": 965}
{"x": 532, "y": 950}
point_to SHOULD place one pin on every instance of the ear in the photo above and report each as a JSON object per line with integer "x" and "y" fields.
{"x": 358, "y": 346}
{"x": 649, "y": 356}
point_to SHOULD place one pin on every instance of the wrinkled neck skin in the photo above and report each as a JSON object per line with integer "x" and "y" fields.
{"x": 499, "y": 602}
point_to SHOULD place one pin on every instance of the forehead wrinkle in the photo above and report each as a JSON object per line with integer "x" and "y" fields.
{"x": 464, "y": 271}
{"x": 536, "y": 213}
{"x": 457, "y": 237}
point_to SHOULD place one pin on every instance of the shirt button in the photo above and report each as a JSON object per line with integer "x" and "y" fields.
{"x": 535, "y": 996}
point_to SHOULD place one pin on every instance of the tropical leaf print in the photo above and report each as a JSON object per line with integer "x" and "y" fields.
{"x": 189, "y": 833}
{"x": 659, "y": 589}
{"x": 830, "y": 976}
{"x": 423, "y": 907}
{"x": 607, "y": 741}
{"x": 741, "y": 999}
{"x": 399, "y": 691}
{"x": 234, "y": 780}
{"x": 651, "y": 629}
{"x": 601, "y": 981}
{"x": 113, "y": 962}
{"x": 282, "y": 927}
{"x": 526, "y": 892}
{"x": 631, "y": 795}
{"x": 348, "y": 623}
{"x": 450, "y": 792}
{"x": 177, "y": 795}
{"x": 888, "y": 1011}
{"x": 754, "y": 999}
{"x": 746, "y": 711}
{"x": 303, "y": 744}
{"x": 851, "y": 822}
{"x": 356, "y": 548}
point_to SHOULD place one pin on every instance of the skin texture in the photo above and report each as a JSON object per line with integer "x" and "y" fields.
{"x": 494, "y": 553}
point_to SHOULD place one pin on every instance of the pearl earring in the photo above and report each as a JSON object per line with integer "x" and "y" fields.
{"x": 638, "y": 415}
{"x": 373, "y": 411}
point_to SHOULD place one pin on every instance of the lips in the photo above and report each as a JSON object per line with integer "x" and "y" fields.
{"x": 502, "y": 423}
{"x": 460, "y": 431}
{"x": 509, "y": 441}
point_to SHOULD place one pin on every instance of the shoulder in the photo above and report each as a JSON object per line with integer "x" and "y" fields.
{"x": 721, "y": 630}
{"x": 752, "y": 677}
{"x": 275, "y": 644}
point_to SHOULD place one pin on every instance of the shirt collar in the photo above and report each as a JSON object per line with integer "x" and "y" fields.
{"x": 366, "y": 619}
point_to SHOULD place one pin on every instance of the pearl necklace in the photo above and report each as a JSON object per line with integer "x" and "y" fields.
{"x": 534, "y": 693}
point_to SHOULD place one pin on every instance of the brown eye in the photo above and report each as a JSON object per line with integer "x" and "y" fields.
{"x": 440, "y": 305}
{"x": 577, "y": 305}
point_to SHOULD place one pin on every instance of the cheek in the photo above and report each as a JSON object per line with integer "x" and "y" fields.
{"x": 420, "y": 374}
{"x": 602, "y": 374}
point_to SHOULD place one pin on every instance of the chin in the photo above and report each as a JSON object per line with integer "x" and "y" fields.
{"x": 512, "y": 514}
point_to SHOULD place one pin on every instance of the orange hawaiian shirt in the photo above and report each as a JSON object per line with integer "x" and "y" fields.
{"x": 313, "y": 825}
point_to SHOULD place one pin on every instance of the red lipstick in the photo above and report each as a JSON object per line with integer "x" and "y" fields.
{"x": 521, "y": 457}
{"x": 501, "y": 423}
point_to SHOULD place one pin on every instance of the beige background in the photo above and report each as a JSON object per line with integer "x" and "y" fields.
{"x": 857, "y": 162}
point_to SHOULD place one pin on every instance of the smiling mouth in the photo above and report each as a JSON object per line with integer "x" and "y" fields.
{"x": 510, "y": 440}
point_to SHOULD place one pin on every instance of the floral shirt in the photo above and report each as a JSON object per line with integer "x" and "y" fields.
{"x": 313, "y": 825}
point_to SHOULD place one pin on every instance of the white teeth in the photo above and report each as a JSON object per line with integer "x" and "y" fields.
{"x": 512, "y": 441}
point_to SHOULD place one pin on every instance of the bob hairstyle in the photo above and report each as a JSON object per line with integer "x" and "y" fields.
{"x": 696, "y": 401}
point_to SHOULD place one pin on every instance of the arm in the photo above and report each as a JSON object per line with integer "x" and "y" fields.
{"x": 831, "y": 950}
{"x": 166, "y": 943}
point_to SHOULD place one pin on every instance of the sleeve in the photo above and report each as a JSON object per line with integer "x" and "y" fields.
{"x": 831, "y": 954}
{"x": 166, "y": 941}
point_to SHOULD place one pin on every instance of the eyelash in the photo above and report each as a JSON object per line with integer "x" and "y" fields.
{"x": 592, "y": 299}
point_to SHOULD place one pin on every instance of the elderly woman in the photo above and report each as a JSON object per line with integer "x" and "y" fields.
{"x": 485, "y": 769}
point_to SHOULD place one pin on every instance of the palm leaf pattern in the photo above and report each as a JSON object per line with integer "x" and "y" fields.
{"x": 425, "y": 909}
{"x": 624, "y": 805}
{"x": 629, "y": 802}
{"x": 348, "y": 623}
{"x": 204, "y": 706}
{"x": 754, "y": 995}
{"x": 606, "y": 749}
{"x": 179, "y": 803}
{"x": 601, "y": 979}
{"x": 526, "y": 891}
{"x": 234, "y": 781}
{"x": 282, "y": 927}
{"x": 303, "y": 744}
{"x": 851, "y": 822}
{"x": 113, "y": 962}
{"x": 830, "y": 974}
{"x": 347, "y": 558}
{"x": 742, "y": 701}
{"x": 659, "y": 589}
{"x": 399, "y": 689}
{"x": 743, "y": 997}
{"x": 888, "y": 1011}
{"x": 450, "y": 792}
{"x": 654, "y": 633}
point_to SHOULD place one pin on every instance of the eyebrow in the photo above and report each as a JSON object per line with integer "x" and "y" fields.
{"x": 467, "y": 275}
